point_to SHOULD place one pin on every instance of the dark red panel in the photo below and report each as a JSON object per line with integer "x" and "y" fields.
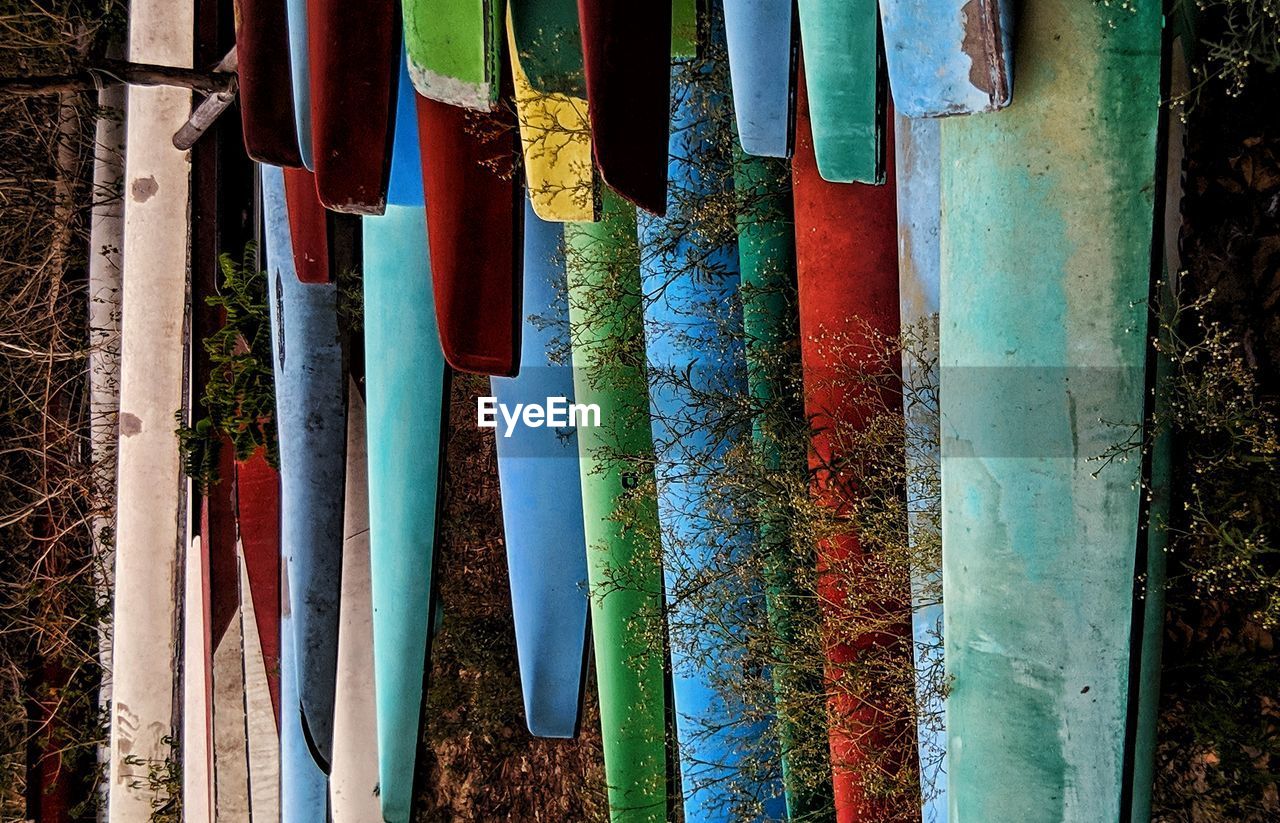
{"x": 308, "y": 226}
{"x": 219, "y": 538}
{"x": 474, "y": 213}
{"x": 266, "y": 88}
{"x": 258, "y": 515}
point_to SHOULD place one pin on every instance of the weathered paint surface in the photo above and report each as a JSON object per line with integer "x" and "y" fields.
{"x": 555, "y": 138}
{"x": 548, "y": 41}
{"x": 300, "y": 74}
{"x": 455, "y": 50}
{"x": 696, "y": 364}
{"x": 542, "y": 502}
{"x": 1043, "y": 336}
{"x": 311, "y": 417}
{"x": 406, "y": 386}
{"x": 762, "y": 54}
{"x": 918, "y": 162}
{"x": 266, "y": 83}
{"x": 842, "y": 70}
{"x": 354, "y": 54}
{"x": 603, "y": 259}
{"x": 258, "y": 522}
{"x": 627, "y": 59}
{"x": 948, "y": 57}
{"x": 303, "y": 787}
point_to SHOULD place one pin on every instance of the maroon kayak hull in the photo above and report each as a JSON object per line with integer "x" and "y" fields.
{"x": 266, "y": 89}
{"x": 626, "y": 48}
{"x": 354, "y": 70}
{"x": 474, "y": 220}
{"x": 308, "y": 226}
{"x": 258, "y": 520}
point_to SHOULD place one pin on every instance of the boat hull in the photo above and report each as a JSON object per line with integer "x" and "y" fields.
{"x": 762, "y": 52}
{"x": 266, "y": 84}
{"x": 455, "y": 50}
{"x": 300, "y": 76}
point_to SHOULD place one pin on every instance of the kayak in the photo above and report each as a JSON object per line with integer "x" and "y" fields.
{"x": 258, "y": 519}
{"x": 1044, "y": 334}
{"x": 684, "y": 29}
{"x": 262, "y": 730}
{"x": 406, "y": 384}
{"x": 762, "y": 53}
{"x": 555, "y": 132}
{"x": 918, "y": 162}
{"x": 474, "y": 215}
{"x": 696, "y": 371}
{"x": 542, "y": 502}
{"x": 627, "y": 60}
{"x": 546, "y": 37}
{"x": 266, "y": 83}
{"x": 197, "y": 688}
{"x": 767, "y": 261}
{"x": 842, "y": 72}
{"x": 311, "y": 422}
{"x": 455, "y": 50}
{"x": 150, "y": 496}
{"x": 353, "y": 783}
{"x": 300, "y": 76}
{"x": 303, "y": 787}
{"x": 354, "y": 56}
{"x": 949, "y": 57}
{"x": 847, "y": 279}
{"x": 309, "y": 228}
{"x": 602, "y": 262}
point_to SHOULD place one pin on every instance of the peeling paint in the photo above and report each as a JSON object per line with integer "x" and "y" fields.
{"x": 130, "y": 424}
{"x": 143, "y": 189}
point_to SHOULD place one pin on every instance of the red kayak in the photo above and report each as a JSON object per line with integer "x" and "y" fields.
{"x": 258, "y": 517}
{"x": 355, "y": 51}
{"x": 847, "y": 276}
{"x": 626, "y": 49}
{"x": 308, "y": 226}
{"x": 266, "y": 87}
{"x": 474, "y": 214}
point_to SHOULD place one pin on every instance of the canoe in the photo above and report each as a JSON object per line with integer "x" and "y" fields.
{"x": 309, "y": 227}
{"x": 767, "y": 261}
{"x": 266, "y": 83}
{"x": 311, "y": 422}
{"x": 949, "y": 57}
{"x": 918, "y": 162}
{"x": 627, "y": 60}
{"x": 258, "y": 519}
{"x": 474, "y": 215}
{"x": 150, "y": 490}
{"x": 262, "y": 729}
{"x": 762, "y": 53}
{"x": 548, "y": 40}
{"x": 300, "y": 76}
{"x": 555, "y": 132}
{"x": 1043, "y": 334}
{"x": 197, "y": 688}
{"x": 842, "y": 72}
{"x": 354, "y": 66}
{"x": 353, "y": 783}
{"x": 684, "y": 29}
{"x": 696, "y": 371}
{"x": 455, "y": 50}
{"x": 847, "y": 279}
{"x": 602, "y": 262}
{"x": 407, "y": 393}
{"x": 542, "y": 502}
{"x": 303, "y": 787}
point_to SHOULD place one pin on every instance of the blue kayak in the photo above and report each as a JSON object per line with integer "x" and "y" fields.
{"x": 542, "y": 501}
{"x": 948, "y": 56}
{"x": 311, "y": 418}
{"x": 697, "y": 364}
{"x": 919, "y": 169}
{"x": 406, "y": 389}
{"x": 300, "y": 67}
{"x": 762, "y": 54}
{"x": 304, "y": 790}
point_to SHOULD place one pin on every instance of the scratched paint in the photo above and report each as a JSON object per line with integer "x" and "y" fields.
{"x": 948, "y": 56}
{"x": 918, "y": 164}
{"x": 1043, "y": 336}
{"x": 311, "y": 419}
{"x": 843, "y": 73}
{"x": 455, "y": 48}
{"x": 762, "y": 52}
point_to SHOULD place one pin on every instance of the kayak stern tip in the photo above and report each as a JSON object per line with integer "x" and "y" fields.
{"x": 451, "y": 90}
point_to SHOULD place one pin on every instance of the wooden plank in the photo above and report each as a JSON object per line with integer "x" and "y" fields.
{"x": 455, "y": 49}
{"x": 949, "y": 57}
{"x": 1043, "y": 336}
{"x": 261, "y": 706}
{"x": 197, "y": 687}
{"x": 762, "y": 53}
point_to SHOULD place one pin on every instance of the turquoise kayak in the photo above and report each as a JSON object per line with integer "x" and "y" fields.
{"x": 918, "y": 167}
{"x": 406, "y": 390}
{"x": 300, "y": 70}
{"x": 762, "y": 52}
{"x": 542, "y": 501}
{"x": 311, "y": 419}
{"x": 697, "y": 366}
{"x": 1044, "y": 370}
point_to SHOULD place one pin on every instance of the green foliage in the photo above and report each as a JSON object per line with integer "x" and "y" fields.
{"x": 239, "y": 398}
{"x": 163, "y": 780}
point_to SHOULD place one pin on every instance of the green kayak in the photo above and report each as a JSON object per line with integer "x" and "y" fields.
{"x": 619, "y": 509}
{"x": 455, "y": 49}
{"x": 1046, "y": 267}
